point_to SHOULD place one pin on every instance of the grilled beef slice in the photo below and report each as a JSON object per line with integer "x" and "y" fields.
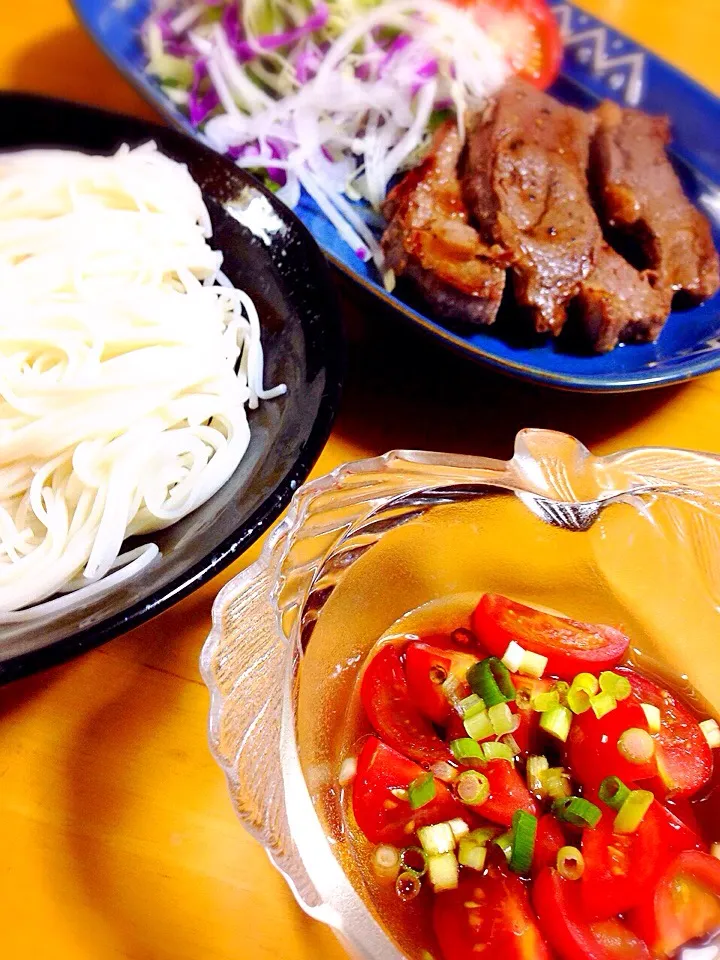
{"x": 525, "y": 180}
{"x": 617, "y": 303}
{"x": 641, "y": 197}
{"x": 429, "y": 239}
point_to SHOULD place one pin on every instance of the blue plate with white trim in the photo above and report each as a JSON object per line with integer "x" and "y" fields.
{"x": 599, "y": 63}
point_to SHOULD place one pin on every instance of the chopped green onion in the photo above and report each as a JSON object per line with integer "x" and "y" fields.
{"x": 512, "y": 658}
{"x": 407, "y": 886}
{"x": 653, "y": 717}
{"x": 465, "y": 748}
{"x": 578, "y": 811}
{"x": 636, "y": 745}
{"x": 479, "y": 727}
{"x": 613, "y": 792}
{"x": 534, "y": 770}
{"x": 533, "y": 664}
{"x": 470, "y": 706}
{"x": 570, "y": 863}
{"x": 497, "y": 751}
{"x": 421, "y": 791}
{"x": 471, "y": 854}
{"x": 602, "y": 703}
{"x": 442, "y": 770}
{"x": 501, "y": 718}
{"x": 348, "y": 770}
{"x": 556, "y": 722}
{"x": 511, "y": 743}
{"x": 546, "y": 701}
{"x": 584, "y": 686}
{"x": 452, "y": 689}
{"x": 386, "y": 862}
{"x": 563, "y": 688}
{"x": 472, "y": 787}
{"x": 414, "y": 859}
{"x": 458, "y": 827}
{"x": 491, "y": 681}
{"x": 631, "y": 813}
{"x": 616, "y": 685}
{"x": 711, "y": 732}
{"x": 524, "y": 828}
{"x": 556, "y": 783}
{"x": 504, "y": 841}
{"x": 436, "y": 839}
{"x": 483, "y": 835}
{"x": 443, "y": 871}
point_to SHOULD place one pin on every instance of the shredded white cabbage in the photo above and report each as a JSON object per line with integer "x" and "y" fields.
{"x": 126, "y": 362}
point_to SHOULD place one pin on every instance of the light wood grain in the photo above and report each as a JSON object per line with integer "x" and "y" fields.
{"x": 117, "y": 838}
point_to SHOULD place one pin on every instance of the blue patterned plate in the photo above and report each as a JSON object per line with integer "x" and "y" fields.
{"x": 599, "y": 62}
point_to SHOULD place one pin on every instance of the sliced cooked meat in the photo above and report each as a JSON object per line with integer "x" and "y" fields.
{"x": 429, "y": 238}
{"x": 616, "y": 303}
{"x": 641, "y": 196}
{"x": 526, "y": 185}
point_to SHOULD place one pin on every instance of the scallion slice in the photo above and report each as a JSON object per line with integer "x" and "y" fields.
{"x": 556, "y": 782}
{"x": 615, "y": 684}
{"x": 465, "y": 748}
{"x": 546, "y": 701}
{"x": 534, "y": 770}
{"x": 470, "y": 706}
{"x": 496, "y": 751}
{"x": 504, "y": 841}
{"x": 578, "y": 811}
{"x": 524, "y": 828}
{"x": 471, "y": 854}
{"x": 483, "y": 835}
{"x": 386, "y": 862}
{"x": 407, "y": 886}
{"x": 556, "y": 722}
{"x": 414, "y": 859}
{"x": 711, "y": 732}
{"x": 512, "y": 658}
{"x": 478, "y": 726}
{"x": 570, "y": 863}
{"x": 533, "y": 664}
{"x": 502, "y": 718}
{"x": 436, "y": 839}
{"x": 631, "y": 813}
{"x": 602, "y": 704}
{"x": 653, "y": 717}
{"x": 472, "y": 787}
{"x": 562, "y": 687}
{"x": 452, "y": 689}
{"x": 443, "y": 871}
{"x": 511, "y": 743}
{"x": 459, "y": 828}
{"x": 584, "y": 686}
{"x": 636, "y": 745}
{"x": 613, "y": 792}
{"x": 490, "y": 680}
{"x": 421, "y": 791}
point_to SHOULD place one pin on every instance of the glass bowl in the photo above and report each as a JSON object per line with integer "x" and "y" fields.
{"x": 631, "y": 539}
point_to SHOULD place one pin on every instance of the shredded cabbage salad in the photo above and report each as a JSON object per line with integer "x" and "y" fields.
{"x": 335, "y": 99}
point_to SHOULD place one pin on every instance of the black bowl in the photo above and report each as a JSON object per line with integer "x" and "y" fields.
{"x": 269, "y": 254}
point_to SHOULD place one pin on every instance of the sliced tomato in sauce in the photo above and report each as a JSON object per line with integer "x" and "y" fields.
{"x": 489, "y": 914}
{"x": 381, "y": 811}
{"x": 685, "y": 904}
{"x": 618, "y": 941}
{"x": 392, "y": 713}
{"x": 569, "y": 645}
{"x": 426, "y": 669}
{"x": 550, "y": 837}
{"x": 557, "y": 905}
{"x": 508, "y": 793}
{"x": 684, "y": 758}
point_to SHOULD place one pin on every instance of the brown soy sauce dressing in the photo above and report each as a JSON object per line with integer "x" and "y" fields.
{"x": 410, "y": 923}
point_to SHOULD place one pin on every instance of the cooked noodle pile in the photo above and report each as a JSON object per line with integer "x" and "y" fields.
{"x": 126, "y": 362}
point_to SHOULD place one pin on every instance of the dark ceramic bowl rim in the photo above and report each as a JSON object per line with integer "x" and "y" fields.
{"x": 258, "y": 522}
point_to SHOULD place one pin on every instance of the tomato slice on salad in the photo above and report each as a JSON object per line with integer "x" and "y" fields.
{"x": 548, "y": 840}
{"x": 489, "y": 914}
{"x": 685, "y": 904}
{"x": 684, "y": 758}
{"x": 381, "y": 811}
{"x": 426, "y": 669}
{"x": 569, "y": 645}
{"x": 392, "y": 713}
{"x": 526, "y": 31}
{"x": 618, "y": 941}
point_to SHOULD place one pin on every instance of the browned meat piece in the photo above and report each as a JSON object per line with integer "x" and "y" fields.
{"x": 526, "y": 185}
{"x": 429, "y": 238}
{"x": 641, "y": 196}
{"x": 616, "y": 303}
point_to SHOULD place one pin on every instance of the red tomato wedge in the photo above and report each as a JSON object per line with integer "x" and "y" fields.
{"x": 591, "y": 749}
{"x": 618, "y": 941}
{"x": 548, "y": 840}
{"x": 557, "y": 905}
{"x": 508, "y": 793}
{"x": 569, "y": 645}
{"x": 684, "y": 904}
{"x": 381, "y": 815}
{"x": 489, "y": 914}
{"x": 526, "y": 31}
{"x": 426, "y": 669}
{"x": 391, "y": 711}
{"x": 684, "y": 759}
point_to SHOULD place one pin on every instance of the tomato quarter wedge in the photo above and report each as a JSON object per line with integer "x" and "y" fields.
{"x": 685, "y": 904}
{"x": 489, "y": 914}
{"x": 591, "y": 749}
{"x": 569, "y": 645}
{"x": 426, "y": 668}
{"x": 618, "y": 941}
{"x": 684, "y": 758}
{"x": 381, "y": 815}
{"x": 393, "y": 715}
{"x": 548, "y": 840}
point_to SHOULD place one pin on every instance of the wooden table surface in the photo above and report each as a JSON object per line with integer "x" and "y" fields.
{"x": 117, "y": 839}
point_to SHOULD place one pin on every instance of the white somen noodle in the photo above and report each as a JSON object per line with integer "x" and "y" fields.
{"x": 126, "y": 364}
